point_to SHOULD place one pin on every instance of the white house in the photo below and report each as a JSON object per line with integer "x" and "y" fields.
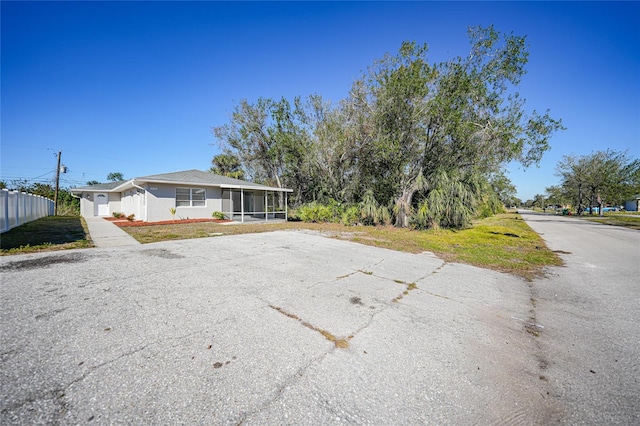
{"x": 193, "y": 193}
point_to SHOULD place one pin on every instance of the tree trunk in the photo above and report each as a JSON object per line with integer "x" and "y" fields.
{"x": 280, "y": 193}
{"x": 403, "y": 204}
{"x": 579, "y": 200}
{"x": 600, "y": 206}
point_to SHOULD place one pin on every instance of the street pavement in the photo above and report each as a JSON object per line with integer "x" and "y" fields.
{"x": 590, "y": 309}
{"x": 273, "y": 328}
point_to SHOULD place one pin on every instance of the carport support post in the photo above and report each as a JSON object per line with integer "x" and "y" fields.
{"x": 286, "y": 207}
{"x": 266, "y": 206}
{"x": 242, "y": 205}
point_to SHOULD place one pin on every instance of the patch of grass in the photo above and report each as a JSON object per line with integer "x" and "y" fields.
{"x": 616, "y": 220}
{"x": 503, "y": 242}
{"x": 490, "y": 243}
{"x": 46, "y": 234}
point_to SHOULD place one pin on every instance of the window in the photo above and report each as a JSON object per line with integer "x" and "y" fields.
{"x": 190, "y": 197}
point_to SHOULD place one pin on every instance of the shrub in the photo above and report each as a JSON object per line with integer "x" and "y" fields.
{"x": 218, "y": 215}
{"x": 489, "y": 206}
{"x": 118, "y": 215}
{"x": 294, "y": 215}
{"x": 371, "y": 212}
{"x": 315, "y": 212}
{"x": 131, "y": 217}
{"x": 351, "y": 216}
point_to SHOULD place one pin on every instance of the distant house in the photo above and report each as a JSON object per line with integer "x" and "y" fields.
{"x": 193, "y": 193}
{"x": 633, "y": 205}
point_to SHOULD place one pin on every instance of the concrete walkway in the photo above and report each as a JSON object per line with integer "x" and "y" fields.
{"x": 106, "y": 234}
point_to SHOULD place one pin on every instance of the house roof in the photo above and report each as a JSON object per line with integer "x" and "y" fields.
{"x": 102, "y": 186}
{"x": 187, "y": 177}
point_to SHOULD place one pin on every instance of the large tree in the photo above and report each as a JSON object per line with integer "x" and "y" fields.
{"x": 462, "y": 119}
{"x": 115, "y": 176}
{"x": 227, "y": 165}
{"x": 419, "y": 136}
{"x": 599, "y": 178}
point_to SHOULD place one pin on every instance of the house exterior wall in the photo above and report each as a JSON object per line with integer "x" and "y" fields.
{"x": 161, "y": 198}
{"x": 154, "y": 201}
{"x": 114, "y": 203}
{"x": 88, "y": 208}
{"x": 133, "y": 203}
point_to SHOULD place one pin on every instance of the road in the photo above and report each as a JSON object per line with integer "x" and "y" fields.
{"x": 590, "y": 310}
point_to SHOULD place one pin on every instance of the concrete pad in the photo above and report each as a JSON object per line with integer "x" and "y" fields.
{"x": 106, "y": 234}
{"x": 245, "y": 329}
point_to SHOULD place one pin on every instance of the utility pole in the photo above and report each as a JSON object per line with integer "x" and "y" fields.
{"x": 55, "y": 198}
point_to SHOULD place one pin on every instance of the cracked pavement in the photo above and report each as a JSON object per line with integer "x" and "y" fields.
{"x": 246, "y": 329}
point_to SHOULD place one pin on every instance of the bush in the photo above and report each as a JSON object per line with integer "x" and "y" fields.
{"x": 294, "y": 215}
{"x": 218, "y": 215}
{"x": 131, "y": 217}
{"x": 351, "y": 216}
{"x": 118, "y": 215}
{"x": 315, "y": 212}
{"x": 489, "y": 206}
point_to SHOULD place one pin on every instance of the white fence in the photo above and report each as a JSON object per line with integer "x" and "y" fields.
{"x": 18, "y": 208}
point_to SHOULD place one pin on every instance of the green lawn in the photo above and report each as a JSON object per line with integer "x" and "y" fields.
{"x": 616, "y": 219}
{"x": 46, "y": 234}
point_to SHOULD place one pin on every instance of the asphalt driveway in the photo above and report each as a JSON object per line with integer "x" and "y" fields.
{"x": 272, "y": 328}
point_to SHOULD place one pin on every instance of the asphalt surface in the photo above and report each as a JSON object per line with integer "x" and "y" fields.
{"x": 590, "y": 309}
{"x": 296, "y": 328}
{"x": 273, "y": 328}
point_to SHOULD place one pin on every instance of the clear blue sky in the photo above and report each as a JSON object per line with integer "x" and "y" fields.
{"x": 135, "y": 87}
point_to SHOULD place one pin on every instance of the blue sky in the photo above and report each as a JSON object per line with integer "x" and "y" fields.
{"x": 135, "y": 87}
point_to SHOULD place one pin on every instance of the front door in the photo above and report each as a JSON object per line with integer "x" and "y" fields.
{"x": 102, "y": 204}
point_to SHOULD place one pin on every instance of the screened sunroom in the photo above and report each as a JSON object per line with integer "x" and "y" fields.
{"x": 246, "y": 205}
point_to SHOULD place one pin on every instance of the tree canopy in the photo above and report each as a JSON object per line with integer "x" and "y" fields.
{"x": 426, "y": 141}
{"x": 597, "y": 178}
{"x": 115, "y": 176}
{"x": 227, "y": 165}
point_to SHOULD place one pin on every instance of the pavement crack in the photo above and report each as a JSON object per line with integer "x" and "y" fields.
{"x": 342, "y": 343}
{"x": 410, "y": 287}
{"x": 281, "y": 389}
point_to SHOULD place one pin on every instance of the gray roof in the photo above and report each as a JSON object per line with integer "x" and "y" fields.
{"x": 187, "y": 177}
{"x": 101, "y": 186}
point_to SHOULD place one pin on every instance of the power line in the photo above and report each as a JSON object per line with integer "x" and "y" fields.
{"x": 27, "y": 180}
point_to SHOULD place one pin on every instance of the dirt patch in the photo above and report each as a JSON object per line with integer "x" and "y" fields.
{"x": 44, "y": 262}
{"x": 356, "y": 301}
{"x": 162, "y": 253}
{"x": 341, "y": 343}
{"x": 562, "y": 252}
